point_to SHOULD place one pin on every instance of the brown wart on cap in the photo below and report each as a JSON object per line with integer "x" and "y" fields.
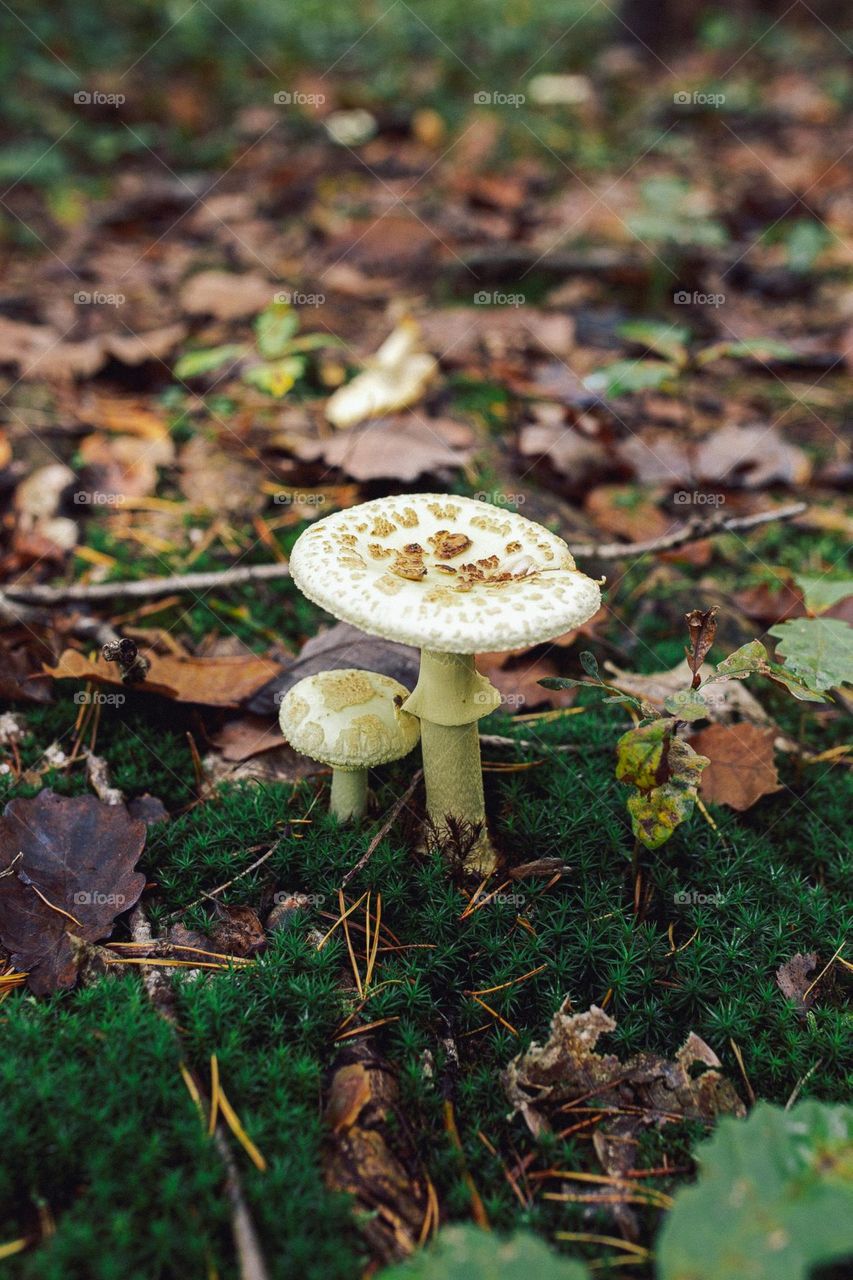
{"x": 455, "y": 577}
{"x": 353, "y": 721}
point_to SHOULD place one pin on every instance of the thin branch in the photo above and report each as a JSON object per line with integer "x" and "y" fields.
{"x": 696, "y": 529}
{"x": 146, "y": 588}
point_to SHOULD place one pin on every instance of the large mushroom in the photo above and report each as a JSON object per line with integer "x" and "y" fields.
{"x": 453, "y": 576}
{"x": 353, "y": 721}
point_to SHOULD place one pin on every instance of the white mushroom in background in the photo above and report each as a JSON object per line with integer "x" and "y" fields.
{"x": 351, "y": 720}
{"x": 394, "y": 378}
{"x": 455, "y": 577}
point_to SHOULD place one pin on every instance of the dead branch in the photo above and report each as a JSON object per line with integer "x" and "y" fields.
{"x": 696, "y": 529}
{"x": 146, "y": 588}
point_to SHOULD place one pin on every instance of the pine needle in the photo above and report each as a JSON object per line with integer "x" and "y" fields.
{"x": 231, "y": 1118}
{"x": 192, "y": 1089}
{"x": 584, "y": 1237}
{"x": 215, "y": 1094}
{"x": 495, "y": 1014}
{"x": 15, "y": 1246}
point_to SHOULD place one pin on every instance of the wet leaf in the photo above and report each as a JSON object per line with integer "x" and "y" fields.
{"x": 67, "y": 868}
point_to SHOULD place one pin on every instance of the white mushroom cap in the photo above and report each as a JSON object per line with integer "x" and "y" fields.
{"x": 445, "y": 573}
{"x": 348, "y": 719}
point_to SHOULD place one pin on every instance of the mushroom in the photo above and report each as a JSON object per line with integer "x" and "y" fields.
{"x": 453, "y": 576}
{"x": 351, "y": 720}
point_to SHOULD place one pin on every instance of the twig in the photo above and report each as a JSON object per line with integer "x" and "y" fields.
{"x": 214, "y": 893}
{"x": 384, "y": 829}
{"x": 146, "y": 588}
{"x": 697, "y": 528}
{"x": 498, "y": 740}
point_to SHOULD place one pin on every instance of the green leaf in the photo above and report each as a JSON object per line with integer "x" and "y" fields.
{"x": 314, "y": 342}
{"x": 277, "y": 377}
{"x": 627, "y": 376}
{"x": 774, "y": 1198}
{"x": 795, "y": 686}
{"x": 665, "y": 771}
{"x": 668, "y": 340}
{"x": 686, "y": 704}
{"x": 467, "y": 1253}
{"x": 745, "y": 661}
{"x": 274, "y": 328}
{"x": 561, "y": 682}
{"x": 196, "y": 363}
{"x": 589, "y": 664}
{"x": 821, "y": 594}
{"x": 817, "y": 650}
{"x": 763, "y": 350}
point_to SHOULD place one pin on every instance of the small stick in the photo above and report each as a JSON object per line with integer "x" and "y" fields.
{"x": 384, "y": 829}
{"x": 693, "y": 531}
{"x": 146, "y": 588}
{"x": 214, "y": 893}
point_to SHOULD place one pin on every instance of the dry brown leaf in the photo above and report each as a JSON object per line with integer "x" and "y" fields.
{"x": 795, "y": 979}
{"x": 212, "y": 682}
{"x": 742, "y": 768}
{"x": 627, "y": 513}
{"x": 577, "y": 458}
{"x": 459, "y": 334}
{"x": 249, "y": 736}
{"x": 226, "y": 295}
{"x": 39, "y": 351}
{"x": 753, "y": 456}
{"x": 126, "y": 466}
{"x": 401, "y": 448}
{"x": 767, "y": 604}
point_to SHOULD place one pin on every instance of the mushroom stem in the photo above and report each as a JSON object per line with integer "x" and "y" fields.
{"x": 451, "y": 696}
{"x": 348, "y": 796}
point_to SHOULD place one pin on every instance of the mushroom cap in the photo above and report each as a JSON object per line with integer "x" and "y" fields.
{"x": 348, "y": 719}
{"x": 444, "y": 573}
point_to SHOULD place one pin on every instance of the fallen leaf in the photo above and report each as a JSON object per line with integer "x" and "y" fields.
{"x": 39, "y": 351}
{"x": 225, "y": 295}
{"x": 459, "y": 334}
{"x": 627, "y": 512}
{"x": 249, "y": 736}
{"x": 402, "y": 448}
{"x": 125, "y": 466}
{"x": 67, "y": 866}
{"x": 578, "y": 459}
{"x": 795, "y": 979}
{"x": 768, "y": 603}
{"x": 751, "y": 456}
{"x": 336, "y": 648}
{"x": 396, "y": 377}
{"x": 742, "y": 768}
{"x": 237, "y": 930}
{"x": 517, "y": 681}
{"x": 645, "y": 1090}
{"x": 211, "y": 682}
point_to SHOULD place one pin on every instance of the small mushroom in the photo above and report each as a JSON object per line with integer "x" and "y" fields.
{"x": 351, "y": 720}
{"x": 487, "y": 579}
